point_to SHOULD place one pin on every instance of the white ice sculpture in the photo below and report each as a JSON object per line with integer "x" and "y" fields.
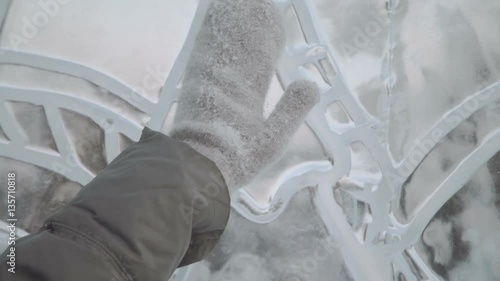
{"x": 375, "y": 244}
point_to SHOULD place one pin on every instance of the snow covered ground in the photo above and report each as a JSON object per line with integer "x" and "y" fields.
{"x": 419, "y": 118}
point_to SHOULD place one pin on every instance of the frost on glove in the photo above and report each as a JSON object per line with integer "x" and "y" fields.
{"x": 220, "y": 111}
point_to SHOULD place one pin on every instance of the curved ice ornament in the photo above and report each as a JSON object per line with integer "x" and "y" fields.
{"x": 385, "y": 242}
{"x": 373, "y": 260}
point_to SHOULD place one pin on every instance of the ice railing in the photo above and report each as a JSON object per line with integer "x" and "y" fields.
{"x": 375, "y": 247}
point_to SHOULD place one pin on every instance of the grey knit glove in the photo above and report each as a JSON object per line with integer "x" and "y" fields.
{"x": 220, "y": 111}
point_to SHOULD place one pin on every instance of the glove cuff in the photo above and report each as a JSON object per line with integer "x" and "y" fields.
{"x": 218, "y": 143}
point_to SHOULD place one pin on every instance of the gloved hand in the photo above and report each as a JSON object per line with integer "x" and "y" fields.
{"x": 220, "y": 111}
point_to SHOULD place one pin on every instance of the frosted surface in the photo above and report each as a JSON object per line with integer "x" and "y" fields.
{"x": 393, "y": 176}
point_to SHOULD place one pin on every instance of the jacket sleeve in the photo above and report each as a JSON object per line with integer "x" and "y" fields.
{"x": 157, "y": 206}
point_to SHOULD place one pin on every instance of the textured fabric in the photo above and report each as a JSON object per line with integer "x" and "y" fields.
{"x": 221, "y": 108}
{"x": 158, "y": 205}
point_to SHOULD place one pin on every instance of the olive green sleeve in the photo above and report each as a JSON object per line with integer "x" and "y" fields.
{"x": 157, "y": 206}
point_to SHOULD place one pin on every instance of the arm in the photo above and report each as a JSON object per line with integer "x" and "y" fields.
{"x": 159, "y": 205}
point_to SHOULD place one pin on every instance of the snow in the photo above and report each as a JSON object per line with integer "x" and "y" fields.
{"x": 407, "y": 67}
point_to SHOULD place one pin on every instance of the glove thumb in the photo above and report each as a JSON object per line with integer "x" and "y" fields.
{"x": 293, "y": 107}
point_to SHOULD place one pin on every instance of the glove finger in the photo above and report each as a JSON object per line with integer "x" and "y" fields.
{"x": 297, "y": 101}
{"x": 237, "y": 49}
